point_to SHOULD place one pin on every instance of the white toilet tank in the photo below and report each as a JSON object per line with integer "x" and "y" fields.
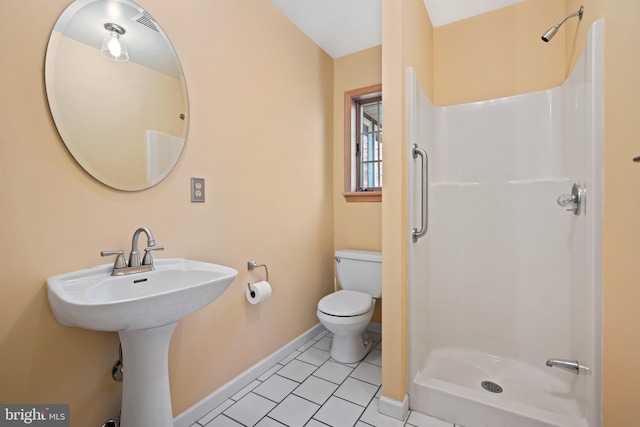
{"x": 360, "y": 271}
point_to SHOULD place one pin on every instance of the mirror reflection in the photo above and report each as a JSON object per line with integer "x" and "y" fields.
{"x": 117, "y": 92}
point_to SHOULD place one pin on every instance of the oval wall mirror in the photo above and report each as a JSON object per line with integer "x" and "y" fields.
{"x": 117, "y": 92}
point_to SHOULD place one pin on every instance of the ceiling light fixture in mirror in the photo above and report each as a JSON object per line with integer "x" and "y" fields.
{"x": 112, "y": 46}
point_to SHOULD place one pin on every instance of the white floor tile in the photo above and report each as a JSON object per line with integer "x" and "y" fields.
{"x": 374, "y": 357}
{"x": 215, "y": 412}
{"x": 320, "y": 335}
{"x": 297, "y": 371}
{"x": 276, "y": 388}
{"x": 350, "y": 365}
{"x": 324, "y": 344}
{"x": 374, "y": 336}
{"x": 309, "y": 389}
{"x": 306, "y": 345}
{"x": 315, "y": 356}
{"x": 270, "y": 372}
{"x": 368, "y": 373}
{"x": 339, "y": 413}
{"x": 269, "y": 422}
{"x": 239, "y": 395}
{"x": 333, "y": 371}
{"x": 373, "y": 417}
{"x": 356, "y": 391}
{"x": 316, "y": 389}
{"x": 223, "y": 421}
{"x": 421, "y": 420}
{"x": 294, "y": 411}
{"x": 315, "y": 423}
{"x": 250, "y": 409}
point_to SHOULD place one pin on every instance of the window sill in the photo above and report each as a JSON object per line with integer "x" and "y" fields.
{"x": 363, "y": 196}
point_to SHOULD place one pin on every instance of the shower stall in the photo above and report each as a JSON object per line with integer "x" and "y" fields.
{"x": 508, "y": 274}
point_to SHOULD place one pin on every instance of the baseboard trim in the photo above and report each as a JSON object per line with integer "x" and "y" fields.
{"x": 394, "y": 408}
{"x": 200, "y": 409}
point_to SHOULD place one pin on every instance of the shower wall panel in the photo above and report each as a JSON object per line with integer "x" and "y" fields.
{"x": 500, "y": 255}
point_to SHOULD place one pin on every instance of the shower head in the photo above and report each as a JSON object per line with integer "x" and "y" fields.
{"x": 553, "y": 30}
{"x": 550, "y": 33}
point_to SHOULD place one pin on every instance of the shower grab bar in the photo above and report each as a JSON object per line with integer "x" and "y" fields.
{"x": 415, "y": 233}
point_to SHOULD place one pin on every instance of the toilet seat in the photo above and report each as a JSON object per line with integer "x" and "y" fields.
{"x": 345, "y": 303}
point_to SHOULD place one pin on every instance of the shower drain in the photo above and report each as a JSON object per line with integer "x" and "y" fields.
{"x": 491, "y": 386}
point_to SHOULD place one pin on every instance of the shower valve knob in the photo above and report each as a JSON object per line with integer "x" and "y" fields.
{"x": 574, "y": 201}
{"x": 565, "y": 200}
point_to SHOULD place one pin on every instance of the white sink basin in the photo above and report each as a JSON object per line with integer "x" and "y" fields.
{"x": 144, "y": 308}
{"x": 93, "y": 299}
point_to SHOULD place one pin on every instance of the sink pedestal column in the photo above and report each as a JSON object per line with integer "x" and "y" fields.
{"x": 146, "y": 397}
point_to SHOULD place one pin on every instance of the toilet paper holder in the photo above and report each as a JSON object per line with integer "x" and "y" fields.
{"x": 252, "y": 265}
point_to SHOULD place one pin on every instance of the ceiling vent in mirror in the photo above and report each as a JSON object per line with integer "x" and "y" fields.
{"x": 147, "y": 20}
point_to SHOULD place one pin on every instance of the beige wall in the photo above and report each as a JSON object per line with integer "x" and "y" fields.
{"x": 407, "y": 40}
{"x": 576, "y": 31}
{"x": 621, "y": 227}
{"x": 356, "y": 225}
{"x": 261, "y": 97}
{"x": 499, "y": 53}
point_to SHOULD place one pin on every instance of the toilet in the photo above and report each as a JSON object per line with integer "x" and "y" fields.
{"x": 347, "y": 312}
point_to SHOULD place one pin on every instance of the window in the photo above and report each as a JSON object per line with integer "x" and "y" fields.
{"x": 363, "y": 145}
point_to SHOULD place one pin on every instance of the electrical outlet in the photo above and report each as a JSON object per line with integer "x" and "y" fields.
{"x": 197, "y": 190}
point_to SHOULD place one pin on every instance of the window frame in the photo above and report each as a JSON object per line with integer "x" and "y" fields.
{"x": 351, "y": 97}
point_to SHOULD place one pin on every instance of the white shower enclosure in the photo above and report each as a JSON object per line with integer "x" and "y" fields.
{"x": 505, "y": 278}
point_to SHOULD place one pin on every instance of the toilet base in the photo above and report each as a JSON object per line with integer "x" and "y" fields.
{"x": 350, "y": 348}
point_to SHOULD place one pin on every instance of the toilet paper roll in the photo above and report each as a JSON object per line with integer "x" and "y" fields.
{"x": 258, "y": 292}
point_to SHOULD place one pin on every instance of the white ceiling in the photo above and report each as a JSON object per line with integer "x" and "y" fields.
{"x": 341, "y": 27}
{"x": 444, "y": 12}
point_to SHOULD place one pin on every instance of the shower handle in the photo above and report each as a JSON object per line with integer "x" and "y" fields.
{"x": 573, "y": 202}
{"x": 415, "y": 233}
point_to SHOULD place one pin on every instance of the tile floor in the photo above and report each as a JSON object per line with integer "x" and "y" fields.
{"x": 308, "y": 388}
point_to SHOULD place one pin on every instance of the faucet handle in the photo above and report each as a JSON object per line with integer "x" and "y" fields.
{"x": 148, "y": 259}
{"x": 120, "y": 261}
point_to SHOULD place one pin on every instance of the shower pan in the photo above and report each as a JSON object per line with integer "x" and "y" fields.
{"x": 506, "y": 284}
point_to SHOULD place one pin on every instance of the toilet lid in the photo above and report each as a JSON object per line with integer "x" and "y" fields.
{"x": 345, "y": 303}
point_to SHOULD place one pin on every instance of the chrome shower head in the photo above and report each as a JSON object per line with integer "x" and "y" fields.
{"x": 553, "y": 30}
{"x": 550, "y": 33}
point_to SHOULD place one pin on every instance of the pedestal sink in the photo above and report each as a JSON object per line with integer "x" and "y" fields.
{"x": 144, "y": 308}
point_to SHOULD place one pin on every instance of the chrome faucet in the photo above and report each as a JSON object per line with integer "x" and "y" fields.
{"x": 121, "y": 268}
{"x": 134, "y": 256}
{"x": 572, "y": 366}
